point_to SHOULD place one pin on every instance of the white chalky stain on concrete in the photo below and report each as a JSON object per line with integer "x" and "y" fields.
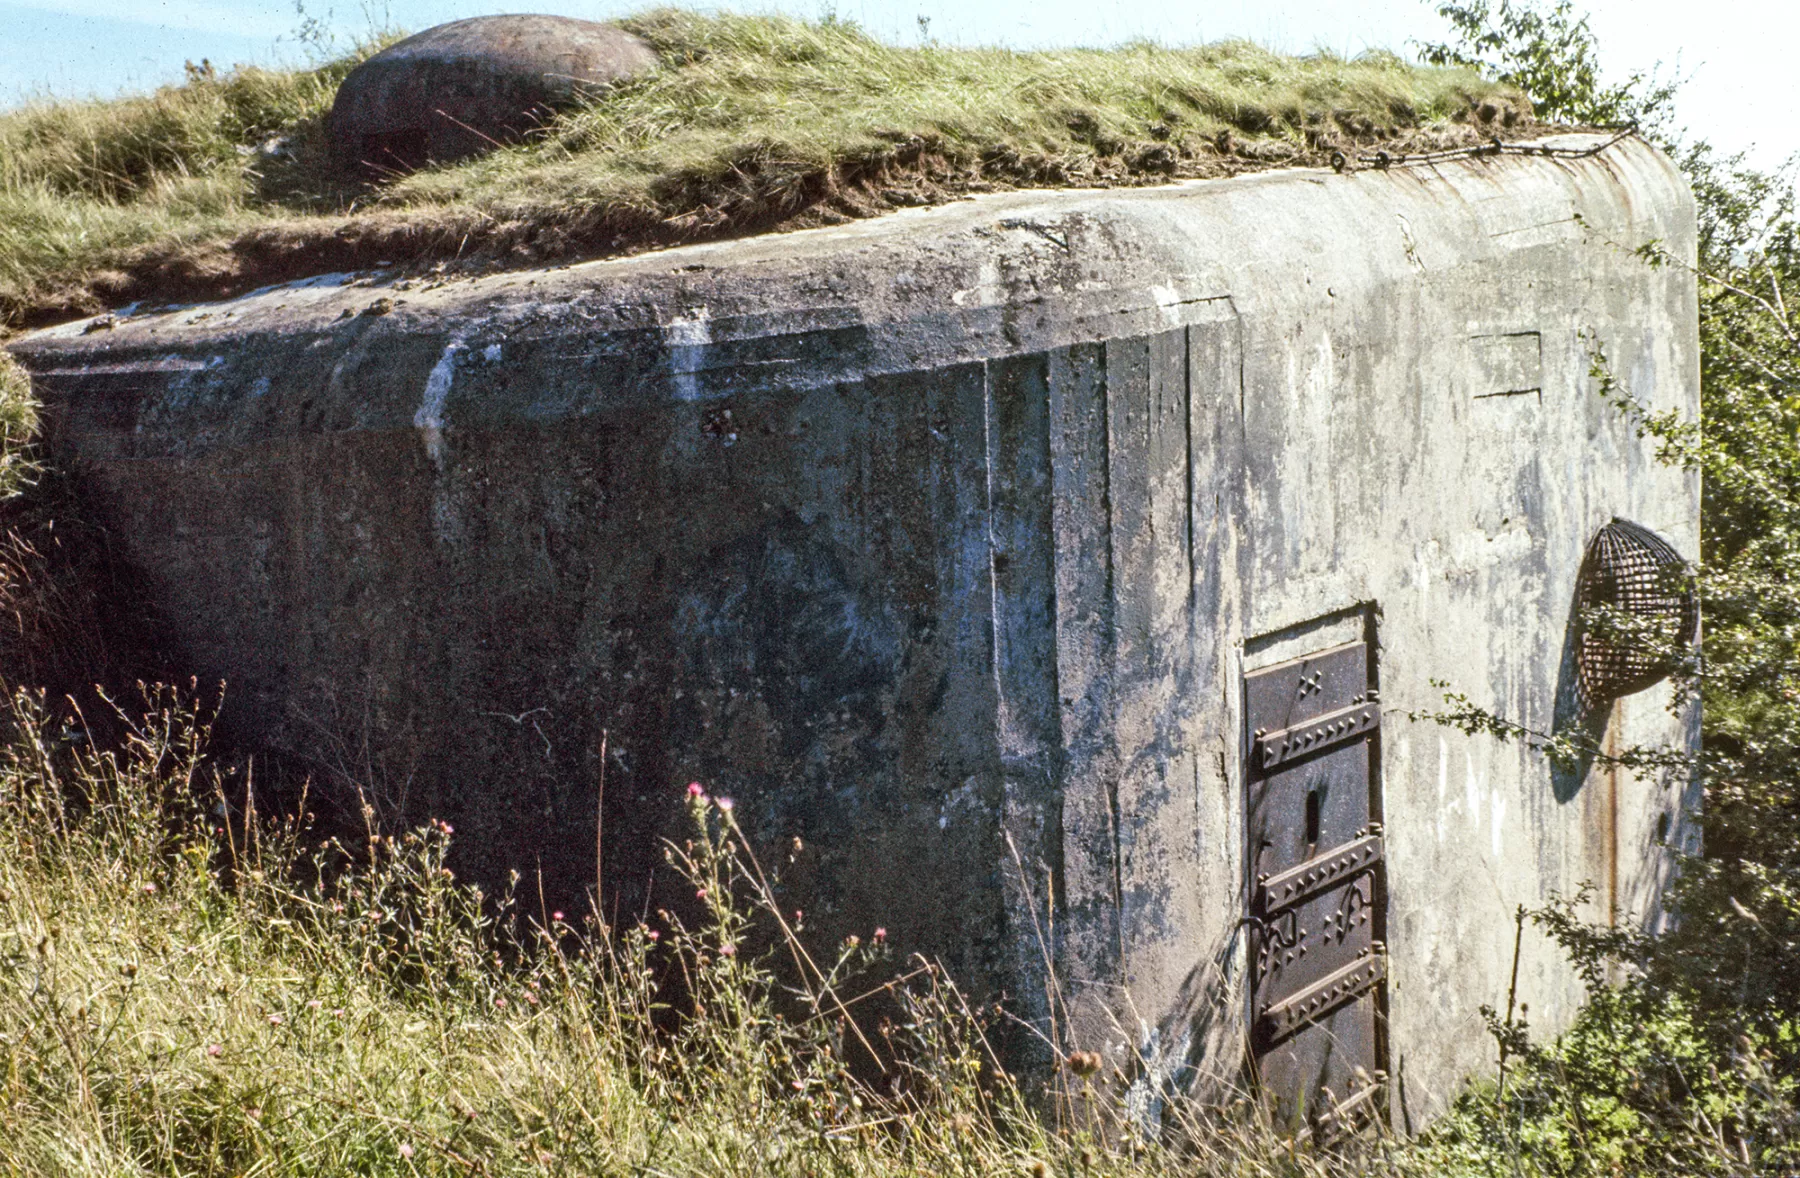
{"x": 687, "y": 339}
{"x": 429, "y": 420}
{"x": 1168, "y": 302}
{"x": 988, "y": 288}
{"x": 1161, "y": 1063}
{"x": 1472, "y": 785}
{"x": 967, "y": 796}
{"x": 1443, "y": 786}
{"x": 446, "y": 521}
{"x": 1408, "y": 243}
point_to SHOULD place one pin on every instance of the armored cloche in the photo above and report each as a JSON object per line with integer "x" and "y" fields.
{"x": 462, "y": 88}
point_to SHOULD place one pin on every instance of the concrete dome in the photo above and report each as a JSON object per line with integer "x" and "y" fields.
{"x": 459, "y": 89}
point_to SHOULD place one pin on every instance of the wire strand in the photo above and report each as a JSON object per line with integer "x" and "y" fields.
{"x": 1381, "y": 161}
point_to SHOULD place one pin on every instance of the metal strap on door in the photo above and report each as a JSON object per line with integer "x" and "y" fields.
{"x": 1318, "y": 891}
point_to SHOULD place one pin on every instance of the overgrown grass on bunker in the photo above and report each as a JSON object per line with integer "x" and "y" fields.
{"x": 749, "y": 124}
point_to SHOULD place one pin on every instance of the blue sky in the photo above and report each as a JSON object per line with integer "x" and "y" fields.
{"x": 1741, "y": 90}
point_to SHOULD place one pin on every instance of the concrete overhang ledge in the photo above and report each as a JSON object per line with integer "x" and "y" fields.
{"x": 1269, "y": 208}
{"x": 996, "y": 274}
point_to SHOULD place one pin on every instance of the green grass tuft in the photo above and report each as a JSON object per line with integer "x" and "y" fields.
{"x": 748, "y": 124}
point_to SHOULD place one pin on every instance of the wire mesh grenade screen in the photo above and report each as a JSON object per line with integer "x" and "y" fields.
{"x": 1637, "y": 607}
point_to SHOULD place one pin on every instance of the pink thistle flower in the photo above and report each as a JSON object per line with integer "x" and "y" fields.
{"x": 149, "y": 889}
{"x": 275, "y": 1020}
{"x": 695, "y": 790}
{"x": 726, "y": 804}
{"x": 654, "y": 935}
{"x": 727, "y": 950}
{"x": 313, "y": 1004}
{"x": 880, "y": 935}
{"x": 500, "y": 1002}
{"x": 557, "y": 917}
{"x": 215, "y": 1049}
{"x": 405, "y": 1150}
{"x": 700, "y": 894}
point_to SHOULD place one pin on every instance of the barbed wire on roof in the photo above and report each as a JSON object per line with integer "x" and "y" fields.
{"x": 1381, "y": 161}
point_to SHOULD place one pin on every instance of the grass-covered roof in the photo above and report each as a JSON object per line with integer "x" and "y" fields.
{"x": 748, "y": 124}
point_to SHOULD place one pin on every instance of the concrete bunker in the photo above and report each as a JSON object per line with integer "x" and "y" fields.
{"x": 1060, "y": 569}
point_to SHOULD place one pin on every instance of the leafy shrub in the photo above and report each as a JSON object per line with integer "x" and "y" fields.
{"x": 1687, "y": 1062}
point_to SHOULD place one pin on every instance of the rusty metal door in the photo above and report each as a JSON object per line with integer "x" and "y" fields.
{"x": 1318, "y": 895}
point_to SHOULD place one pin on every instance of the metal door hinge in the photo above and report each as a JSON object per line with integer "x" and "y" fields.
{"x": 1323, "y": 732}
{"x": 1318, "y": 873}
{"x": 1283, "y": 1018}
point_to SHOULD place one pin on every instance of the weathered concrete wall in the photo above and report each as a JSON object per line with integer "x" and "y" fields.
{"x": 943, "y": 542}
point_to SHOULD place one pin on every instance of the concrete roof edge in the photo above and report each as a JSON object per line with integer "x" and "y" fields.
{"x": 1153, "y": 253}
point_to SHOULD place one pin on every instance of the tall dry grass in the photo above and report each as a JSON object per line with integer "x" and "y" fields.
{"x": 188, "y": 987}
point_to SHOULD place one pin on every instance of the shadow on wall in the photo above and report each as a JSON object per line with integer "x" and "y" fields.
{"x": 1578, "y": 717}
{"x": 1201, "y": 1039}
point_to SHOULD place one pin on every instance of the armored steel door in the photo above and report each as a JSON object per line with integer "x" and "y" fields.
{"x": 1317, "y": 889}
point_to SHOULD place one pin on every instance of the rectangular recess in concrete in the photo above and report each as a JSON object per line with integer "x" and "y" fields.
{"x": 1508, "y": 365}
